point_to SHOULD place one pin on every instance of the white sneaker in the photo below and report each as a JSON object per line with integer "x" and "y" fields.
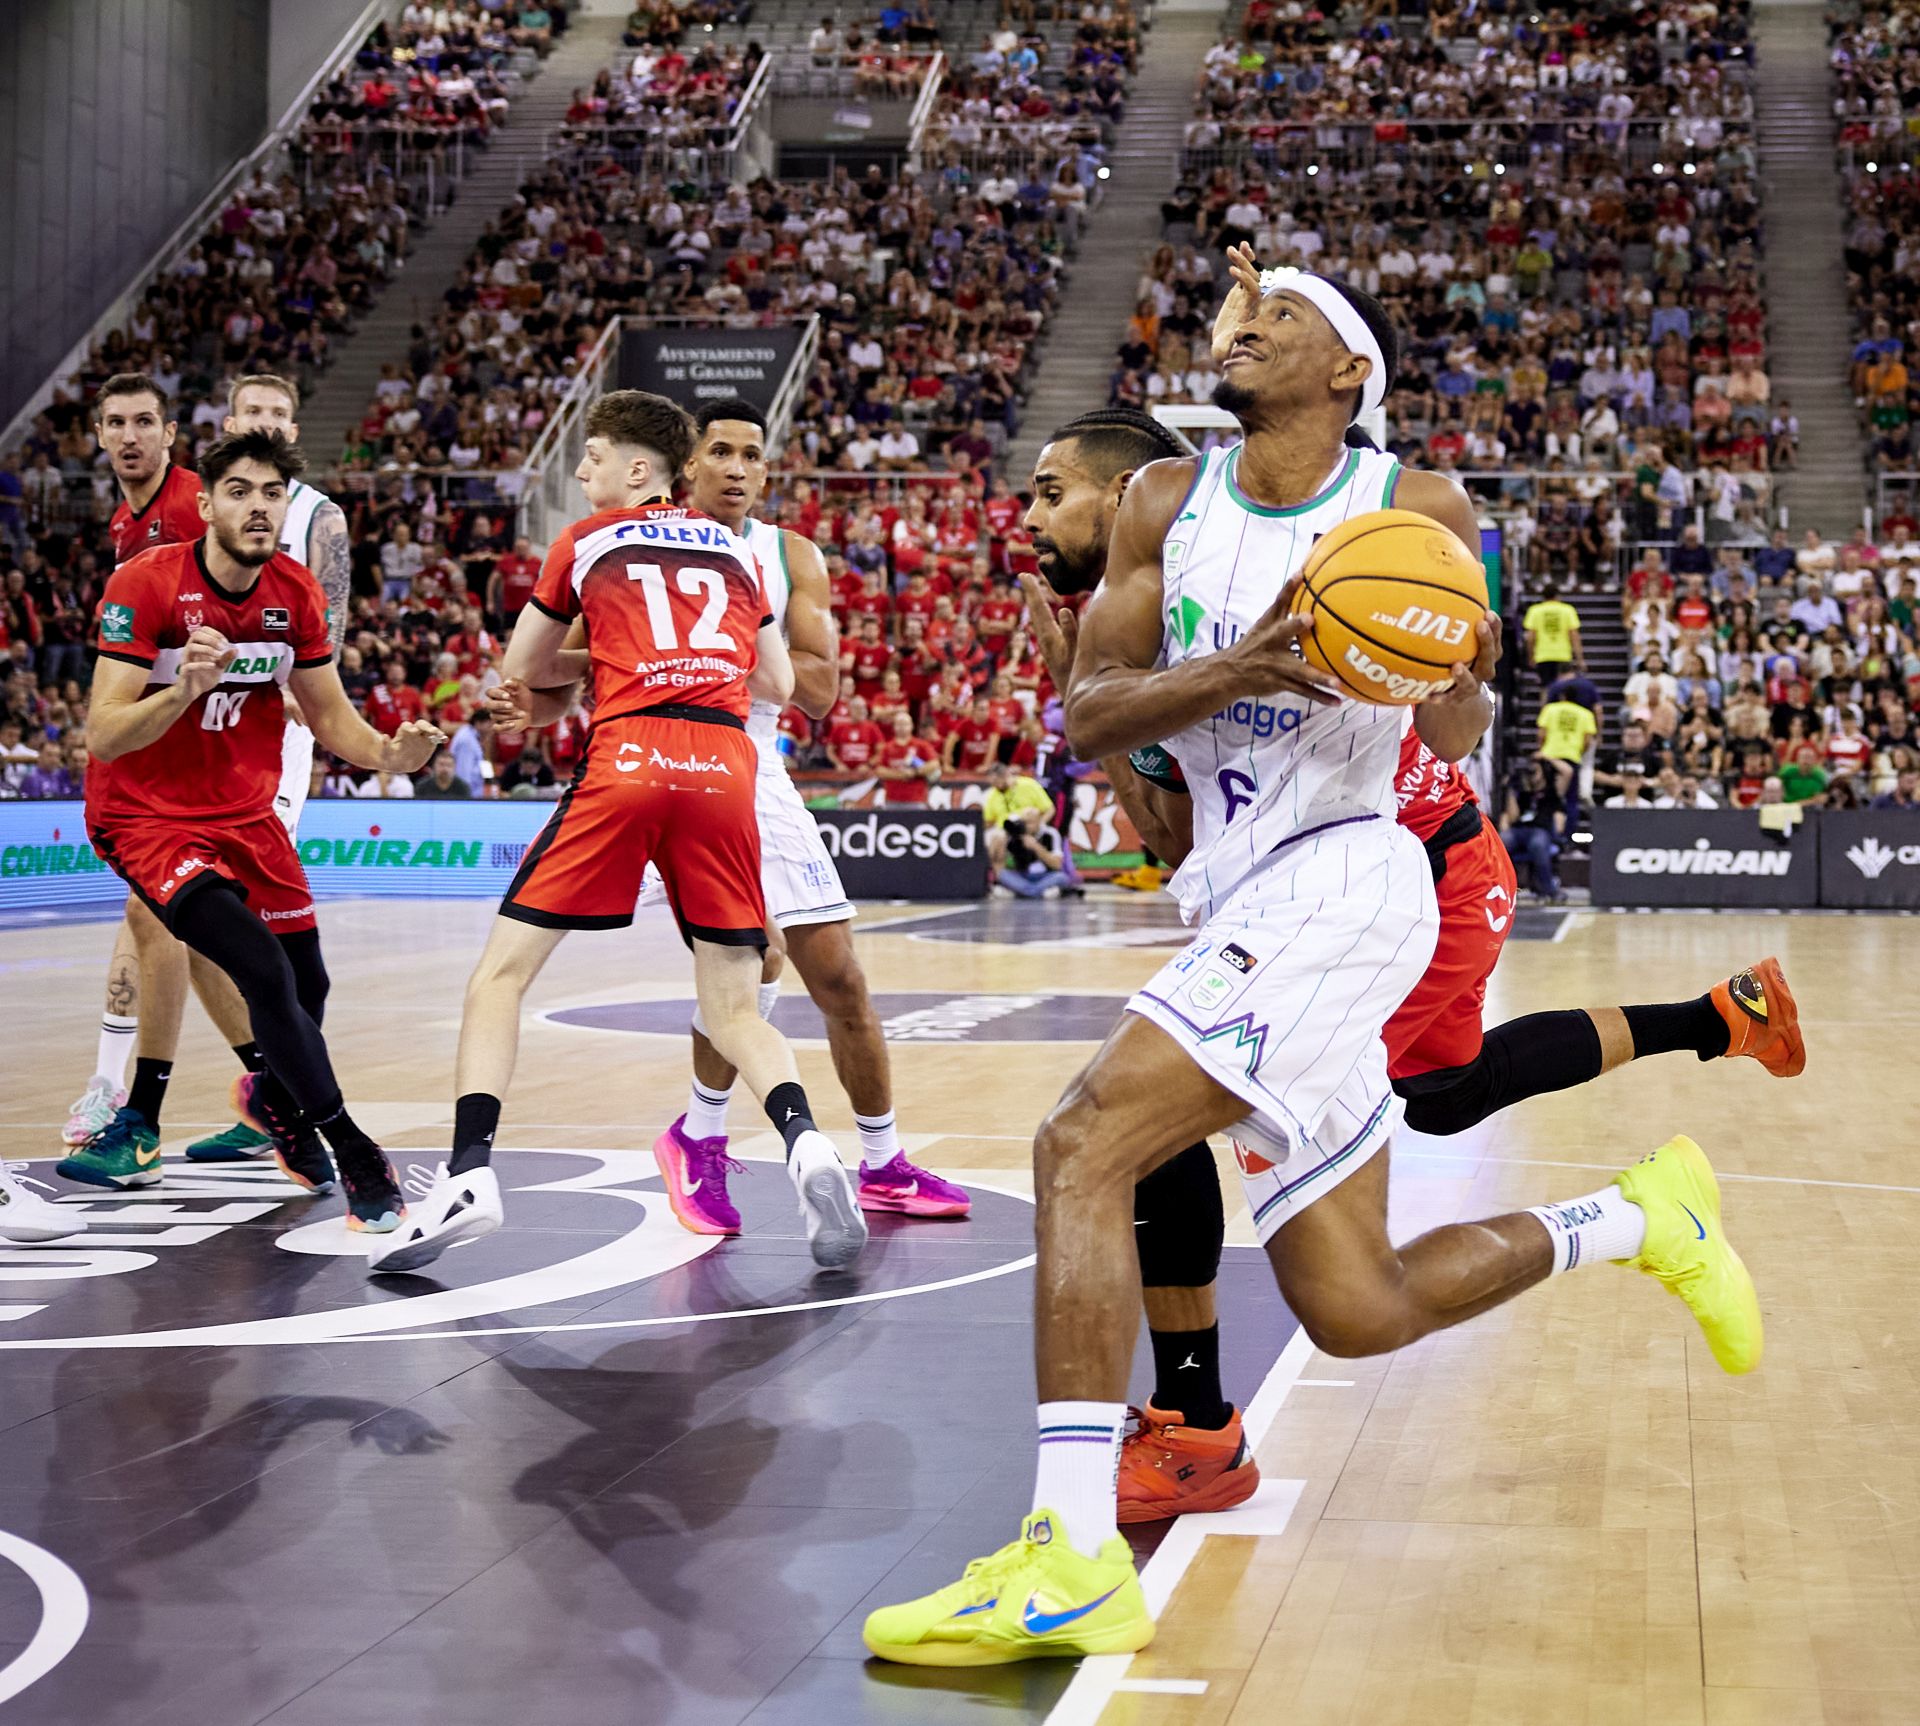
{"x": 92, "y": 1110}
{"x": 445, "y": 1211}
{"x": 836, "y": 1230}
{"x": 26, "y": 1216}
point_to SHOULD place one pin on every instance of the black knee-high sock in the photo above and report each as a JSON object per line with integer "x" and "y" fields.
{"x": 1180, "y": 1234}
{"x": 149, "y": 1089}
{"x": 788, "y": 1109}
{"x": 476, "y": 1118}
{"x": 1683, "y": 1025}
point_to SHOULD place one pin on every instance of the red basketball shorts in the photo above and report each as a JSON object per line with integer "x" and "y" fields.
{"x": 673, "y": 792}
{"x": 1438, "y": 1025}
{"x": 163, "y": 861}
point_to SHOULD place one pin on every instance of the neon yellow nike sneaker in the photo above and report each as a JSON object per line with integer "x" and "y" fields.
{"x": 1687, "y": 1249}
{"x": 1035, "y": 1598}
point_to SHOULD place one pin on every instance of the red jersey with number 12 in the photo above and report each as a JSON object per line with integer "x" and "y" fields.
{"x": 674, "y": 605}
{"x": 220, "y": 760}
{"x": 172, "y": 517}
{"x": 1429, "y": 789}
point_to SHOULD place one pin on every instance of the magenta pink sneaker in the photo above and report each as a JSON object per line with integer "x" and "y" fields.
{"x": 900, "y": 1186}
{"x": 696, "y": 1171}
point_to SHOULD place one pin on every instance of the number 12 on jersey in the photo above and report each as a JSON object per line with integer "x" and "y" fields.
{"x": 709, "y": 584}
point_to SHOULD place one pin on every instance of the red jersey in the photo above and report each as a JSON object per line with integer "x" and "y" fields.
{"x": 856, "y": 742}
{"x": 389, "y": 708}
{"x": 870, "y": 662}
{"x": 1429, "y": 789}
{"x": 518, "y": 576}
{"x": 220, "y": 760}
{"x": 172, "y": 517}
{"x": 979, "y": 746}
{"x": 914, "y": 752}
{"x": 674, "y": 606}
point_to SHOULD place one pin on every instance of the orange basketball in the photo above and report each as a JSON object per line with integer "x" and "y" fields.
{"x": 1394, "y": 598}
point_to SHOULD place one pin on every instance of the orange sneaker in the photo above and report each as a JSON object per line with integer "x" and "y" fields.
{"x": 1167, "y": 1469}
{"x": 1762, "y": 1020}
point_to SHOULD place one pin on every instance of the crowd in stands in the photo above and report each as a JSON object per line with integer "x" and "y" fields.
{"x": 665, "y": 98}
{"x": 1778, "y": 675}
{"x": 1873, "y": 54}
{"x": 1573, "y": 299}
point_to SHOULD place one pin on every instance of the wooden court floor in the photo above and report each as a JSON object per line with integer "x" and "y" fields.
{"x": 1560, "y": 1512}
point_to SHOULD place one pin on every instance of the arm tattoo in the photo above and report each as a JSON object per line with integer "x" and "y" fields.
{"x": 332, "y": 566}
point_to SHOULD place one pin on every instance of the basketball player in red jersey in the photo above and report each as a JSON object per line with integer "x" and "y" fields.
{"x": 681, "y": 642}
{"x": 196, "y": 644}
{"x": 1451, "y": 1074}
{"x": 147, "y": 977}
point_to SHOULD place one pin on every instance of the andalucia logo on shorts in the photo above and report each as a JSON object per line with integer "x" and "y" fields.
{"x": 116, "y": 623}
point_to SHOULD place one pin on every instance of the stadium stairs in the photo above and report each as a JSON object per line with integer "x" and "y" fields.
{"x": 1808, "y": 327}
{"x": 1086, "y": 329}
{"x": 343, "y": 393}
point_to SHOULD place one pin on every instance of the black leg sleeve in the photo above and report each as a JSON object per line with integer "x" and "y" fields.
{"x": 214, "y": 920}
{"x": 1523, "y": 1058}
{"x": 1181, "y": 1223}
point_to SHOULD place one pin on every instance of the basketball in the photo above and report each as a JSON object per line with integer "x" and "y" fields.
{"x": 1394, "y": 598}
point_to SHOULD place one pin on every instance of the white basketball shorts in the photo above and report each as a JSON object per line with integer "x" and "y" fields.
{"x": 296, "y": 775}
{"x": 1282, "y": 995}
{"x": 797, "y": 876}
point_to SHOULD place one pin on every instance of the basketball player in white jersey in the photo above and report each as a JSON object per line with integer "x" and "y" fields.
{"x": 1317, "y": 916}
{"x": 806, "y": 902}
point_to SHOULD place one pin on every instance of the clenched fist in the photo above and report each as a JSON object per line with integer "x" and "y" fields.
{"x": 411, "y": 747}
{"x": 205, "y": 661}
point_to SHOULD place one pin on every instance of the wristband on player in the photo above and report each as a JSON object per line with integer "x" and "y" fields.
{"x": 1157, "y": 767}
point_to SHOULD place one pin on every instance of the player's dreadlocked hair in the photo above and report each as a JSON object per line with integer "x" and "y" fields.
{"x": 1118, "y": 439}
{"x": 649, "y": 421}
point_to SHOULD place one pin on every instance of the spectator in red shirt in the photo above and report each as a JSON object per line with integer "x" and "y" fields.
{"x": 394, "y": 702}
{"x": 512, "y": 582}
{"x": 907, "y": 764}
{"x": 797, "y": 729}
{"x": 868, "y": 657}
{"x": 920, "y": 596}
{"x": 969, "y": 653}
{"x": 891, "y": 699}
{"x": 871, "y": 601}
{"x": 1005, "y": 708}
{"x": 939, "y": 630}
{"x": 471, "y": 645}
{"x": 919, "y": 664}
{"x": 853, "y": 744}
{"x": 1003, "y": 510}
{"x": 1648, "y": 579}
{"x": 1694, "y": 610}
{"x": 1849, "y": 750}
{"x": 973, "y": 745}
{"x": 999, "y": 615}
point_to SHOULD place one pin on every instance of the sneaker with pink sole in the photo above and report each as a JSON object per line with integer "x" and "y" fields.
{"x": 912, "y": 1191}
{"x": 695, "y": 1171}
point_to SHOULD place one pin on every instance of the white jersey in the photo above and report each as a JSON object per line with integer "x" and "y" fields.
{"x": 770, "y": 549}
{"x": 1265, "y": 771}
{"x": 304, "y": 502}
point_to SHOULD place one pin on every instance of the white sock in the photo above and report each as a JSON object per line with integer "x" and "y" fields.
{"x": 769, "y": 994}
{"x": 117, "y": 1035}
{"x": 706, "y": 1112}
{"x": 1603, "y": 1225}
{"x": 879, "y": 1139}
{"x": 1079, "y": 1474}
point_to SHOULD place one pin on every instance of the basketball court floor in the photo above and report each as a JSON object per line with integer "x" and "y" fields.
{"x": 598, "y": 1470}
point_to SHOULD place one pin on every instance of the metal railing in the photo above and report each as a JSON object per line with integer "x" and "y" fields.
{"x": 1422, "y": 150}
{"x": 923, "y": 104}
{"x": 547, "y": 498}
{"x": 739, "y": 147}
{"x": 434, "y": 158}
{"x": 786, "y": 401}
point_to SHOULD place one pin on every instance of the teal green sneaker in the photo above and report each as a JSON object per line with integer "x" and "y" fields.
{"x": 124, "y": 1153}
{"x": 240, "y": 1143}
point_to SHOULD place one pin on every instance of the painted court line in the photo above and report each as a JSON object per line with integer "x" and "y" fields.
{"x": 1103, "y": 1676}
{"x": 1163, "y": 1686}
{"x": 63, "y": 1614}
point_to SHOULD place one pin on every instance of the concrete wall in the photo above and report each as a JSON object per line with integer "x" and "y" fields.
{"x": 116, "y": 118}
{"x": 303, "y": 34}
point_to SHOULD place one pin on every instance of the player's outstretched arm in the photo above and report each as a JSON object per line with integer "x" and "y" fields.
{"x": 1163, "y": 819}
{"x": 122, "y": 717}
{"x": 1118, "y": 700}
{"x": 1452, "y": 723}
{"x": 342, "y": 732}
{"x": 813, "y": 639}
{"x": 772, "y": 676}
{"x": 536, "y": 652}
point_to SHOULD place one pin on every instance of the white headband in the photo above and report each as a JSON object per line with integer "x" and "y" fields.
{"x": 1347, "y": 323}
